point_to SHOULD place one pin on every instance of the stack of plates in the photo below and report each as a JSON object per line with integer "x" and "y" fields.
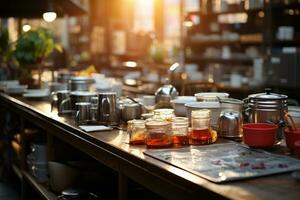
{"x": 37, "y": 93}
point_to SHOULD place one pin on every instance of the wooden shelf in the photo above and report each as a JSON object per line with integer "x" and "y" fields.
{"x": 233, "y": 61}
{"x": 43, "y": 191}
{"x": 223, "y": 43}
{"x": 225, "y": 12}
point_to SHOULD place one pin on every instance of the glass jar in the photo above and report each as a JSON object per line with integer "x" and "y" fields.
{"x": 158, "y": 134}
{"x": 136, "y": 131}
{"x": 165, "y": 114}
{"x": 180, "y": 127}
{"x": 201, "y": 130}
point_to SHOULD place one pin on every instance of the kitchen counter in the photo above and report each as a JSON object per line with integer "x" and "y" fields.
{"x": 111, "y": 148}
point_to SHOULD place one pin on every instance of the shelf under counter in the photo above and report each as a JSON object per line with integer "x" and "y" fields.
{"x": 43, "y": 191}
{"x": 111, "y": 149}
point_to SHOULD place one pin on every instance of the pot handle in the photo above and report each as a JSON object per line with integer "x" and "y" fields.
{"x": 63, "y": 103}
{"x": 53, "y": 94}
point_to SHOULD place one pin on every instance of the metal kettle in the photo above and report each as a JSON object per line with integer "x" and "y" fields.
{"x": 165, "y": 93}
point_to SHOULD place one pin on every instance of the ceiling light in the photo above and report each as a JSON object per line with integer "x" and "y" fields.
{"x": 26, "y": 27}
{"x": 49, "y": 16}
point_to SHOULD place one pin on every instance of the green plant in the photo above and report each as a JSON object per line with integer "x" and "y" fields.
{"x": 5, "y": 46}
{"x": 34, "y": 45}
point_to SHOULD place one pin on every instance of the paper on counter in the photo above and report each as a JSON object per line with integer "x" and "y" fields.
{"x": 89, "y": 128}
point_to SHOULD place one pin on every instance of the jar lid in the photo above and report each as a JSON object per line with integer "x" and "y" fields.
{"x": 157, "y": 123}
{"x": 203, "y": 113}
{"x": 268, "y": 96}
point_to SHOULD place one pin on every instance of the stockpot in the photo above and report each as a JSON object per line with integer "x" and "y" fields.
{"x": 80, "y": 83}
{"x": 265, "y": 107}
{"x": 78, "y": 96}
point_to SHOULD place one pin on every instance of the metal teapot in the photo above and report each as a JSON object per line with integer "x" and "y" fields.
{"x": 165, "y": 93}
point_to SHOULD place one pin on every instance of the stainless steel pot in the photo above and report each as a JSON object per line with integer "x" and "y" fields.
{"x": 76, "y": 97}
{"x": 78, "y": 83}
{"x": 232, "y": 104}
{"x": 131, "y": 111}
{"x": 230, "y": 123}
{"x": 266, "y": 108}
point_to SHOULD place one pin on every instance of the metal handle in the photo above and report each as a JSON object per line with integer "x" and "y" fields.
{"x": 77, "y": 117}
{"x": 52, "y": 100}
{"x": 60, "y": 107}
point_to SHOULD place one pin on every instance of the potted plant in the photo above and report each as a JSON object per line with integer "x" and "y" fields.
{"x": 32, "y": 47}
{"x": 5, "y": 54}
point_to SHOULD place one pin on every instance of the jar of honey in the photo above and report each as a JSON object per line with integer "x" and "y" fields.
{"x": 136, "y": 130}
{"x": 180, "y": 127}
{"x": 158, "y": 134}
{"x": 201, "y": 131}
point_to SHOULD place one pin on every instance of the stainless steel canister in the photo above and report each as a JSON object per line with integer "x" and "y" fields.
{"x": 266, "y": 108}
{"x": 230, "y": 123}
{"x": 131, "y": 111}
{"x": 78, "y": 83}
{"x": 76, "y": 97}
{"x": 108, "y": 112}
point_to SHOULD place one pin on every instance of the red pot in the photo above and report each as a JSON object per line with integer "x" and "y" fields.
{"x": 260, "y": 135}
{"x": 297, "y": 148}
{"x": 291, "y": 137}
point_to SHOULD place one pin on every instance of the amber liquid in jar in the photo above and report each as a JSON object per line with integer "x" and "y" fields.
{"x": 200, "y": 136}
{"x": 136, "y": 131}
{"x": 158, "y": 140}
{"x": 180, "y": 126}
{"x": 179, "y": 140}
{"x": 158, "y": 134}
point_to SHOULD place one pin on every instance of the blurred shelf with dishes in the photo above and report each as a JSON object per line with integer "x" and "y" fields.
{"x": 241, "y": 33}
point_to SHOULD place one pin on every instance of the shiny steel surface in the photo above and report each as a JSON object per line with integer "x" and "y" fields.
{"x": 108, "y": 112}
{"x": 230, "y": 124}
{"x": 166, "y": 93}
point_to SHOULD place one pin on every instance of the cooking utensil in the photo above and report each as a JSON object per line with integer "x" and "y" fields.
{"x": 165, "y": 93}
{"x": 266, "y": 107}
{"x": 131, "y": 111}
{"x": 83, "y": 112}
{"x": 80, "y": 83}
{"x": 230, "y": 124}
{"x": 108, "y": 112}
{"x": 211, "y": 96}
{"x": 289, "y": 122}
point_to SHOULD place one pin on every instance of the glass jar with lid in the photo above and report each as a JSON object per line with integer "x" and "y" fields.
{"x": 158, "y": 134}
{"x": 136, "y": 130}
{"x": 201, "y": 130}
{"x": 180, "y": 127}
{"x": 165, "y": 114}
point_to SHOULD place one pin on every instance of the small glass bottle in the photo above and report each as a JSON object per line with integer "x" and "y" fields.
{"x": 180, "y": 127}
{"x": 158, "y": 134}
{"x": 201, "y": 131}
{"x": 136, "y": 130}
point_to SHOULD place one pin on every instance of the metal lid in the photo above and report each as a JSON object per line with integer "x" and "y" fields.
{"x": 83, "y": 93}
{"x": 167, "y": 90}
{"x": 71, "y": 193}
{"x": 81, "y": 79}
{"x": 268, "y": 96}
{"x": 229, "y": 114}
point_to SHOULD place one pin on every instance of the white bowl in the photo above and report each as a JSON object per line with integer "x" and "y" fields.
{"x": 179, "y": 104}
{"x": 211, "y": 96}
{"x": 214, "y": 107}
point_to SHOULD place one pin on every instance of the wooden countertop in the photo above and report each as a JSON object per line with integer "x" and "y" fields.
{"x": 112, "y": 149}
